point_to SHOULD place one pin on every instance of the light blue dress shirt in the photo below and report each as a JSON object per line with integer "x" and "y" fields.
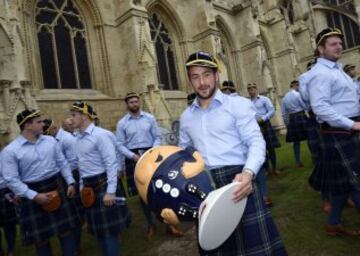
{"x": 226, "y": 133}
{"x": 120, "y": 159}
{"x": 25, "y": 162}
{"x": 137, "y": 132}
{"x": 291, "y": 103}
{"x": 2, "y": 181}
{"x": 303, "y": 88}
{"x": 96, "y": 154}
{"x": 333, "y": 94}
{"x": 68, "y": 145}
{"x": 264, "y": 107}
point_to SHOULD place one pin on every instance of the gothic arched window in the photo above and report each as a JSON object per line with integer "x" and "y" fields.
{"x": 349, "y": 28}
{"x": 166, "y": 66}
{"x": 62, "y": 45}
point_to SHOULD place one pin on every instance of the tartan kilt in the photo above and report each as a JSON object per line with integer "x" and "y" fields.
{"x": 7, "y": 210}
{"x": 270, "y": 137}
{"x": 314, "y": 137}
{"x": 297, "y": 127}
{"x": 76, "y": 200}
{"x": 130, "y": 181}
{"x": 104, "y": 221}
{"x": 38, "y": 225}
{"x": 338, "y": 170}
{"x": 256, "y": 234}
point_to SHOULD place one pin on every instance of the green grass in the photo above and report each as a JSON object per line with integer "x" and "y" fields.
{"x": 297, "y": 212}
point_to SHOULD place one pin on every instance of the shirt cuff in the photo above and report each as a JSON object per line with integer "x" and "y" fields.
{"x": 348, "y": 123}
{"x": 70, "y": 180}
{"x": 30, "y": 194}
{"x": 111, "y": 188}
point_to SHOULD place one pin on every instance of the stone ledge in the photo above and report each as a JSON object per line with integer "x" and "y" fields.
{"x": 71, "y": 94}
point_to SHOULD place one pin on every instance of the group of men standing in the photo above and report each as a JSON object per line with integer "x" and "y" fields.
{"x": 42, "y": 176}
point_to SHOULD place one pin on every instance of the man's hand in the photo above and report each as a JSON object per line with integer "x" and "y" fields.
{"x": 71, "y": 191}
{"x": 136, "y": 157}
{"x": 109, "y": 199}
{"x": 260, "y": 120}
{"x": 42, "y": 198}
{"x": 244, "y": 188}
{"x": 356, "y": 126}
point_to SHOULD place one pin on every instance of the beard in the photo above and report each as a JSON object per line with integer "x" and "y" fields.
{"x": 134, "y": 110}
{"x": 206, "y": 97}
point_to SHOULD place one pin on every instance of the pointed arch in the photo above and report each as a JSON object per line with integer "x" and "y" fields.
{"x": 95, "y": 48}
{"x": 167, "y": 33}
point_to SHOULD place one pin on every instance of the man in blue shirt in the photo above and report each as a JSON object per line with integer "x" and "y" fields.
{"x": 137, "y": 132}
{"x": 264, "y": 112}
{"x": 33, "y": 168}
{"x": 8, "y": 217}
{"x": 98, "y": 169}
{"x": 335, "y": 101}
{"x": 233, "y": 148}
{"x": 228, "y": 88}
{"x": 293, "y": 112}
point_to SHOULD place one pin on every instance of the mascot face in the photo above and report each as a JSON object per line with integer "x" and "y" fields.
{"x": 148, "y": 164}
{"x": 172, "y": 182}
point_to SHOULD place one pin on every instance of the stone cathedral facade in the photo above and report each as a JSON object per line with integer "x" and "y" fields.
{"x": 53, "y": 52}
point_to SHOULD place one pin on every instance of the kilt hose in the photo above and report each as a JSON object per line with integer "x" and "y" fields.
{"x": 313, "y": 137}
{"x": 256, "y": 234}
{"x": 7, "y": 210}
{"x": 338, "y": 170}
{"x": 297, "y": 128}
{"x": 270, "y": 137}
{"x": 104, "y": 221}
{"x": 38, "y": 225}
{"x": 130, "y": 169}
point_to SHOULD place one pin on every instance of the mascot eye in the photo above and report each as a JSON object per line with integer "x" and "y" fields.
{"x": 159, "y": 158}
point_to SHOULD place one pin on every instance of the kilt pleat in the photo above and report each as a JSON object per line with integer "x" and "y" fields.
{"x": 104, "y": 220}
{"x": 270, "y": 137}
{"x": 38, "y": 225}
{"x": 314, "y": 137}
{"x": 297, "y": 127}
{"x": 338, "y": 170}
{"x": 130, "y": 181}
{"x": 256, "y": 234}
{"x": 7, "y": 210}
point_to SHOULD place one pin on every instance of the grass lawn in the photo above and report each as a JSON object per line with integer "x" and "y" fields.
{"x": 297, "y": 211}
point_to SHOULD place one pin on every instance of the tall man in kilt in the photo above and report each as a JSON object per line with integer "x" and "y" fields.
{"x": 98, "y": 168}
{"x": 335, "y": 101}
{"x": 234, "y": 150}
{"x": 34, "y": 168}
{"x": 264, "y": 112}
{"x": 137, "y": 132}
{"x": 293, "y": 112}
{"x": 8, "y": 218}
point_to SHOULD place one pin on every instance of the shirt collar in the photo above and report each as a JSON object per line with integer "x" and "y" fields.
{"x": 218, "y": 98}
{"x": 90, "y": 129}
{"x": 329, "y": 63}
{"x": 22, "y": 140}
{"x": 130, "y": 116}
{"x": 59, "y": 134}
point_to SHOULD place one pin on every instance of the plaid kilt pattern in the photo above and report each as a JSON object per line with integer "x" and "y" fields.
{"x": 7, "y": 210}
{"x": 338, "y": 170}
{"x": 256, "y": 234}
{"x": 76, "y": 200}
{"x": 130, "y": 169}
{"x": 104, "y": 220}
{"x": 297, "y": 127}
{"x": 270, "y": 137}
{"x": 38, "y": 225}
{"x": 314, "y": 137}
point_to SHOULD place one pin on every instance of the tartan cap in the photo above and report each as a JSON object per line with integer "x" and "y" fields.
{"x": 228, "y": 85}
{"x": 131, "y": 95}
{"x": 251, "y": 85}
{"x": 202, "y": 59}
{"x": 83, "y": 107}
{"x": 347, "y": 67}
{"x": 27, "y": 115}
{"x": 327, "y": 32}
